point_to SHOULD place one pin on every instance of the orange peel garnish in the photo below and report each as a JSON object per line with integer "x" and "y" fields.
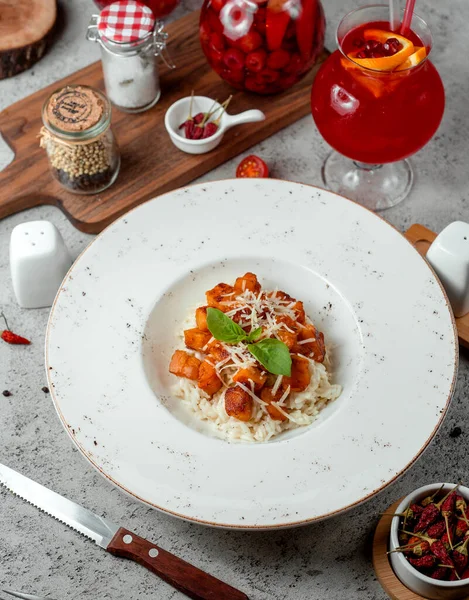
{"x": 414, "y": 59}
{"x": 385, "y": 63}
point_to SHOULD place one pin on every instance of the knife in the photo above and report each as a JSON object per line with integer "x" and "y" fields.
{"x": 119, "y": 541}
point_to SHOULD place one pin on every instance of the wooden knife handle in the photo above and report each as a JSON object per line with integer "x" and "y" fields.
{"x": 177, "y": 572}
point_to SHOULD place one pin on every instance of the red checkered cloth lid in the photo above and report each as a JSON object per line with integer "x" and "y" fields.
{"x": 125, "y": 21}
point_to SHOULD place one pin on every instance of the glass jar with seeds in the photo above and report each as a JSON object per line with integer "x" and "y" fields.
{"x": 82, "y": 151}
{"x": 131, "y": 41}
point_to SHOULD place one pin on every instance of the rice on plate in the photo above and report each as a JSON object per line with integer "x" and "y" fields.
{"x": 255, "y": 365}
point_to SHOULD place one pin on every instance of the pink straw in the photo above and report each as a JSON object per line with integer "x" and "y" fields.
{"x": 408, "y": 13}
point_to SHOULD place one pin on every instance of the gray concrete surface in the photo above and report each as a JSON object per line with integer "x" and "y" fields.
{"x": 328, "y": 561}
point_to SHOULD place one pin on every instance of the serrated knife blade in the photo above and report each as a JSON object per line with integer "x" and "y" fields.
{"x": 120, "y": 541}
{"x": 75, "y": 516}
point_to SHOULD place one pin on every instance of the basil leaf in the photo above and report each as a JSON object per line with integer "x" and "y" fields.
{"x": 255, "y": 335}
{"x": 223, "y": 328}
{"x": 273, "y": 355}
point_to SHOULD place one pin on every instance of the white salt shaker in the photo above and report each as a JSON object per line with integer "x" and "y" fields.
{"x": 39, "y": 261}
{"x": 449, "y": 256}
{"x": 131, "y": 40}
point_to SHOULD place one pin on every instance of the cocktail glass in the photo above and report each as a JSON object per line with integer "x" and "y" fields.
{"x": 375, "y": 119}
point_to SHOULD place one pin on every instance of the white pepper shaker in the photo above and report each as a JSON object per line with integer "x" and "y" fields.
{"x": 449, "y": 256}
{"x": 39, "y": 261}
{"x": 131, "y": 40}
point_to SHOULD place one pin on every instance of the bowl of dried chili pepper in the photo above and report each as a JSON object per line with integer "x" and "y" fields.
{"x": 196, "y": 124}
{"x": 429, "y": 541}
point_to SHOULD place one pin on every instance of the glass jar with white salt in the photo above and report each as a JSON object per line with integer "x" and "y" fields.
{"x": 131, "y": 40}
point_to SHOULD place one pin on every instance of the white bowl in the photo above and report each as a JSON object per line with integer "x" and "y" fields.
{"x": 410, "y": 577}
{"x": 178, "y": 113}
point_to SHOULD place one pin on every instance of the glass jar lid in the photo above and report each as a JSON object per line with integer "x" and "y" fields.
{"x": 125, "y": 22}
{"x": 127, "y": 27}
{"x": 76, "y": 113}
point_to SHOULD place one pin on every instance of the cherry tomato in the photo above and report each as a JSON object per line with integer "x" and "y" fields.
{"x": 252, "y": 166}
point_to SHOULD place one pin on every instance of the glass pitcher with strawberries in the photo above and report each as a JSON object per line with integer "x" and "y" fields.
{"x": 376, "y": 100}
{"x": 262, "y": 46}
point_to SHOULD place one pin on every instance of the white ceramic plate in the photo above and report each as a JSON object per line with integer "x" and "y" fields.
{"x": 112, "y": 332}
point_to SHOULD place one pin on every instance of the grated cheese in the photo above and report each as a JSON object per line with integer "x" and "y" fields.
{"x": 277, "y": 385}
{"x": 212, "y": 339}
{"x": 285, "y": 396}
{"x": 284, "y": 413}
{"x": 306, "y": 341}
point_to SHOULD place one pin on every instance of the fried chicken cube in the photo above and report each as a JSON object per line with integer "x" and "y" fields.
{"x": 247, "y": 282}
{"x": 196, "y": 339}
{"x": 217, "y": 351}
{"x": 315, "y": 348}
{"x": 208, "y": 380}
{"x": 289, "y": 339}
{"x": 300, "y": 375}
{"x": 221, "y": 297}
{"x": 238, "y": 404}
{"x": 299, "y": 311}
{"x": 254, "y": 374}
{"x": 185, "y": 365}
{"x": 201, "y": 318}
{"x": 288, "y": 321}
{"x": 267, "y": 396}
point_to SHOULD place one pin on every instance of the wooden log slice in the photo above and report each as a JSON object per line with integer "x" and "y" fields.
{"x": 25, "y": 32}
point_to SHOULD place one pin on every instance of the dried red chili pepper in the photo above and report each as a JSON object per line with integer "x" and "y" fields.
{"x": 415, "y": 546}
{"x": 429, "y": 515}
{"x": 460, "y": 556}
{"x": 447, "y": 511}
{"x": 421, "y": 548}
{"x": 197, "y": 132}
{"x": 439, "y": 550}
{"x": 209, "y": 130}
{"x": 416, "y": 509}
{"x": 461, "y": 504}
{"x": 447, "y": 540}
{"x": 448, "y": 505}
{"x": 199, "y": 117}
{"x": 453, "y": 576}
{"x": 425, "y": 562}
{"x": 439, "y": 573}
{"x": 432, "y": 510}
{"x": 461, "y": 528}
{"x": 437, "y": 529}
{"x": 12, "y": 338}
{"x": 189, "y": 128}
{"x": 465, "y": 574}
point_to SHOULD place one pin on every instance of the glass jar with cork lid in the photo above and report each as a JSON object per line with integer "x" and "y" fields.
{"x": 77, "y": 136}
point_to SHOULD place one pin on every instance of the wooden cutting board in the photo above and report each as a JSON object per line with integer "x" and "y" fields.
{"x": 151, "y": 165}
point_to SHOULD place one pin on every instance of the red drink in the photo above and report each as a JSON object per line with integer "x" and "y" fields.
{"x": 160, "y": 8}
{"x": 263, "y": 46}
{"x": 374, "y": 116}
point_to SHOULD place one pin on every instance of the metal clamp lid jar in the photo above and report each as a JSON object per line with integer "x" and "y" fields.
{"x": 81, "y": 148}
{"x": 131, "y": 40}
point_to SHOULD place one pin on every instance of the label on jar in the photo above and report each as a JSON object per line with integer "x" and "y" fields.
{"x": 74, "y": 109}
